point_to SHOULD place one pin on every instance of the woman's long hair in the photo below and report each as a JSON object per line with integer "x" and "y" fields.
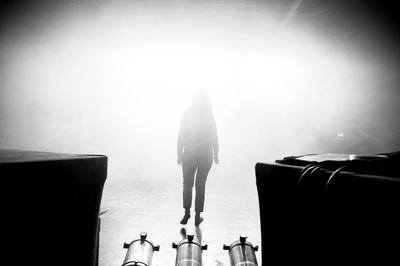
{"x": 201, "y": 101}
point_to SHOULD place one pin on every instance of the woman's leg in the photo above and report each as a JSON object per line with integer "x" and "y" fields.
{"x": 188, "y": 170}
{"x": 203, "y": 169}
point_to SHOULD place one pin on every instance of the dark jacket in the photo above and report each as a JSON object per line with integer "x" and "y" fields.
{"x": 198, "y": 133}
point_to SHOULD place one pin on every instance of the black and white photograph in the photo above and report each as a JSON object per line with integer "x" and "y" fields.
{"x": 200, "y": 132}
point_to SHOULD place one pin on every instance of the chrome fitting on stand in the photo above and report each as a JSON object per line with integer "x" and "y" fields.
{"x": 242, "y": 252}
{"x": 140, "y": 251}
{"x": 189, "y": 251}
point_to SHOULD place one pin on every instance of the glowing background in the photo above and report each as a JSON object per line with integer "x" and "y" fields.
{"x": 114, "y": 78}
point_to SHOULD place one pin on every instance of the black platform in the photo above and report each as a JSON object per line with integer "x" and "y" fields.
{"x": 50, "y": 207}
{"x": 353, "y": 220}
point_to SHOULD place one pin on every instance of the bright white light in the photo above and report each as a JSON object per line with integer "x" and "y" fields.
{"x": 119, "y": 79}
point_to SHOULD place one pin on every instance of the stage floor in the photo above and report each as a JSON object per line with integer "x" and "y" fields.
{"x": 134, "y": 206}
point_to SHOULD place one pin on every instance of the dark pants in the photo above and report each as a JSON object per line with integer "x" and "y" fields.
{"x": 199, "y": 165}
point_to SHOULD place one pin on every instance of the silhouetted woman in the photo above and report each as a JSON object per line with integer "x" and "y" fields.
{"x": 197, "y": 147}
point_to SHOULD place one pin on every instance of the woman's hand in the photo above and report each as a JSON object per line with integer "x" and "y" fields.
{"x": 216, "y": 159}
{"x": 179, "y": 161}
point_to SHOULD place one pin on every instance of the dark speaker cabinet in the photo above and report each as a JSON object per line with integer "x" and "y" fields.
{"x": 50, "y": 207}
{"x": 353, "y": 220}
